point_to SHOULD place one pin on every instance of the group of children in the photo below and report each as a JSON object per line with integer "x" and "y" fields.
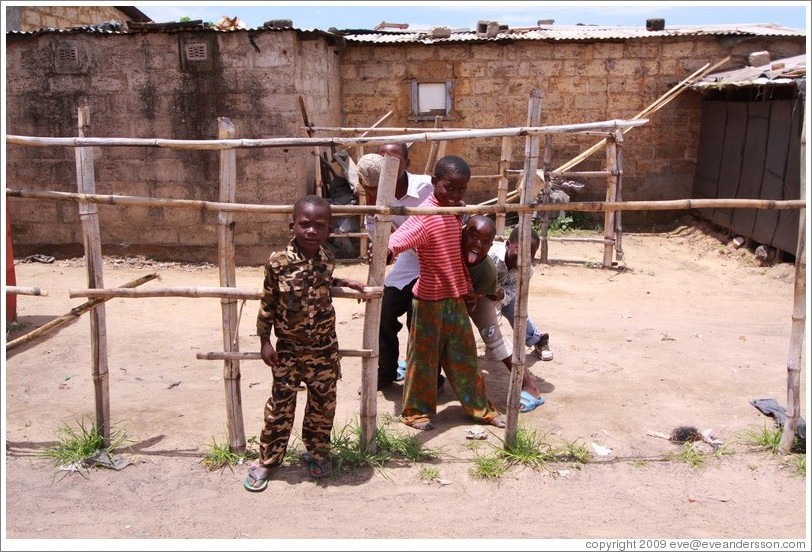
{"x": 458, "y": 279}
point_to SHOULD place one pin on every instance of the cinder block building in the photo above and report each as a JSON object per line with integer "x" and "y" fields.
{"x": 174, "y": 81}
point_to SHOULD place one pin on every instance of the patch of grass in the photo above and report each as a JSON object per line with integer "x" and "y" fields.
{"x": 488, "y": 466}
{"x": 527, "y": 449}
{"x": 15, "y": 326}
{"x": 76, "y": 446}
{"x": 769, "y": 440}
{"x": 640, "y": 463}
{"x": 220, "y": 456}
{"x": 575, "y": 452}
{"x": 347, "y": 453}
{"x": 429, "y": 473}
{"x": 798, "y": 463}
{"x": 689, "y": 455}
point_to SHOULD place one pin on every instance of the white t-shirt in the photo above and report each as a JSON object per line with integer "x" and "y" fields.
{"x": 406, "y": 267}
{"x": 507, "y": 278}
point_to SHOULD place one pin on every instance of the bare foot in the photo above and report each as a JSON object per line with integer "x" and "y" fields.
{"x": 499, "y": 421}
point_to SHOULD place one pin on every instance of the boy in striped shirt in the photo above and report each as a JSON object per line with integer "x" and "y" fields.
{"x": 440, "y": 334}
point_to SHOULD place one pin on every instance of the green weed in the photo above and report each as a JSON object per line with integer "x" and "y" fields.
{"x": 767, "y": 439}
{"x": 429, "y": 473}
{"x": 689, "y": 455}
{"x": 220, "y": 456}
{"x": 77, "y": 446}
{"x": 489, "y": 466}
{"x": 349, "y": 455}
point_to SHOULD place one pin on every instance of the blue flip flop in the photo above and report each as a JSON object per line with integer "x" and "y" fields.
{"x": 401, "y": 370}
{"x": 259, "y": 483}
{"x": 529, "y": 402}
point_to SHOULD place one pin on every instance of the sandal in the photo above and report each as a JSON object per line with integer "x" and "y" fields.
{"x": 318, "y": 469}
{"x": 254, "y": 481}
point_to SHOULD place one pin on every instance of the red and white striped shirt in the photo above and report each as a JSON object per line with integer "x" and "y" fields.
{"x": 436, "y": 239}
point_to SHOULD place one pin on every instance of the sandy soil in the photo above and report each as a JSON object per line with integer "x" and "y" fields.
{"x": 688, "y": 334}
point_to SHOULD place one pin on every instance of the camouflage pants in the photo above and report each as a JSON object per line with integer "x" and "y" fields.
{"x": 319, "y": 369}
{"x": 441, "y": 336}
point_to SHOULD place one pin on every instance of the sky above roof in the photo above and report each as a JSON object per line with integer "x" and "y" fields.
{"x": 424, "y": 15}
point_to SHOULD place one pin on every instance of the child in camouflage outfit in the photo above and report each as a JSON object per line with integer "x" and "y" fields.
{"x": 297, "y": 305}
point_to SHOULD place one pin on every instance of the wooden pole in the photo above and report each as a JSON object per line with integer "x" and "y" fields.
{"x": 225, "y": 355}
{"x": 798, "y": 330}
{"x": 619, "y": 195}
{"x": 372, "y": 310}
{"x": 17, "y": 290}
{"x": 226, "y": 265}
{"x": 360, "y": 149}
{"x": 654, "y": 205}
{"x": 317, "y": 181}
{"x": 502, "y": 186}
{"x": 437, "y": 136}
{"x": 74, "y": 313}
{"x": 544, "y": 247}
{"x": 370, "y": 292}
{"x": 433, "y": 155}
{"x": 531, "y": 156}
{"x": 89, "y": 215}
{"x": 611, "y": 194}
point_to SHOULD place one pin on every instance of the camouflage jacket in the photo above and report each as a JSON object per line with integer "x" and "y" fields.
{"x": 296, "y": 301}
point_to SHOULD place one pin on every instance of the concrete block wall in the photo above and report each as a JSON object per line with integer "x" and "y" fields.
{"x": 135, "y": 85}
{"x": 582, "y": 82}
{"x": 32, "y": 18}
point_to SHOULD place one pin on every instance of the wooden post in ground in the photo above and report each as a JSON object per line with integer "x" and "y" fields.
{"x": 611, "y": 194}
{"x": 89, "y": 215}
{"x": 544, "y": 246}
{"x": 225, "y": 262}
{"x": 531, "y": 160}
{"x": 798, "y": 329}
{"x": 318, "y": 187}
{"x": 619, "y": 195}
{"x": 372, "y": 311}
{"x": 502, "y": 186}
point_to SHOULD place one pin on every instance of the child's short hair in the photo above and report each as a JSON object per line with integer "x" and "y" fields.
{"x": 451, "y": 164}
{"x": 313, "y": 200}
{"x": 535, "y": 240}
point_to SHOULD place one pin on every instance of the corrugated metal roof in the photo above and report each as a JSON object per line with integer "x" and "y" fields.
{"x": 425, "y": 36}
{"x": 780, "y": 72}
{"x": 568, "y": 33}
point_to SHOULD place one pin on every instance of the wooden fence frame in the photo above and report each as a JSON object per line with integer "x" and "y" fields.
{"x": 88, "y": 200}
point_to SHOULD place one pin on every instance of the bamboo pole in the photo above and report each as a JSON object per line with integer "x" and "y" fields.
{"x": 437, "y": 136}
{"x": 611, "y": 195}
{"x": 432, "y": 157}
{"x": 502, "y": 185}
{"x": 619, "y": 195}
{"x": 228, "y": 278}
{"x": 372, "y": 309}
{"x": 363, "y": 242}
{"x": 653, "y": 205}
{"x": 360, "y": 149}
{"x": 18, "y": 290}
{"x": 89, "y": 215}
{"x": 375, "y": 128}
{"x": 216, "y": 355}
{"x": 798, "y": 329}
{"x": 74, "y": 313}
{"x": 531, "y": 156}
{"x": 544, "y": 246}
{"x": 317, "y": 181}
{"x": 369, "y": 293}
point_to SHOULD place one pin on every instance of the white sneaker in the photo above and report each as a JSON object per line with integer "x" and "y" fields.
{"x": 542, "y": 348}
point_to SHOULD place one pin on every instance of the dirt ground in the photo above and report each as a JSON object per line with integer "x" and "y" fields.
{"x": 688, "y": 334}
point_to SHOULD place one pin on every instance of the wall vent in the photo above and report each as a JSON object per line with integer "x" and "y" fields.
{"x": 67, "y": 55}
{"x": 196, "y": 52}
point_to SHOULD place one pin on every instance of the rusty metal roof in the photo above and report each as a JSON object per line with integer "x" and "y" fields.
{"x": 780, "y": 72}
{"x": 430, "y": 36}
{"x": 566, "y": 33}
